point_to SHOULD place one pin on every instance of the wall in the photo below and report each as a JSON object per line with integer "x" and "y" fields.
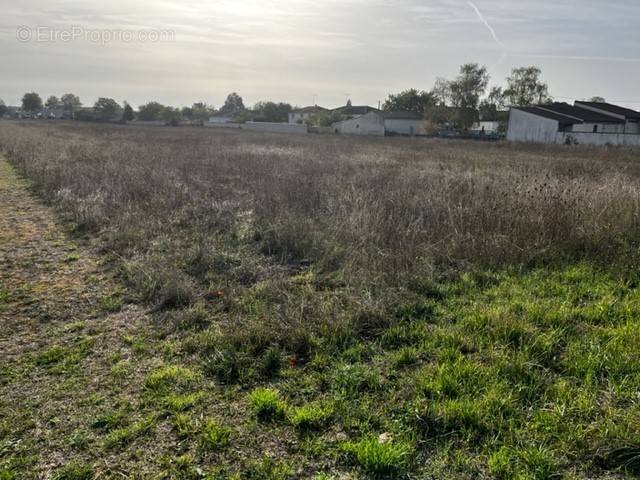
{"x": 601, "y": 139}
{"x": 275, "y": 127}
{"x": 370, "y": 124}
{"x": 526, "y": 127}
{"x": 222, "y": 125}
{"x": 404, "y": 126}
{"x": 602, "y": 127}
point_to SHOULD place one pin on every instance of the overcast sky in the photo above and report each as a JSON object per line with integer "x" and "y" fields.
{"x": 298, "y": 50}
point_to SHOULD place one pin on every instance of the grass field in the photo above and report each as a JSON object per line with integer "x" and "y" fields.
{"x": 238, "y": 305}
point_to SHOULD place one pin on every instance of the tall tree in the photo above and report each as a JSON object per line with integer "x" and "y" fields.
{"x": 233, "y": 105}
{"x": 171, "y": 116}
{"x": 31, "y": 102}
{"x": 151, "y": 112}
{"x": 3, "y": 108}
{"x": 411, "y": 100}
{"x": 201, "y": 111}
{"x": 494, "y": 103}
{"x": 127, "y": 113}
{"x": 70, "y": 103}
{"x": 441, "y": 91}
{"x": 107, "y": 110}
{"x": 52, "y": 102}
{"x": 525, "y": 87}
{"x": 273, "y": 112}
{"x": 466, "y": 91}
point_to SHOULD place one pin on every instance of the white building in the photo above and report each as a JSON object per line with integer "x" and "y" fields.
{"x": 564, "y": 123}
{"x": 630, "y": 117}
{"x": 220, "y": 118}
{"x": 303, "y": 115}
{"x": 371, "y": 123}
{"x": 486, "y": 126}
{"x": 404, "y": 123}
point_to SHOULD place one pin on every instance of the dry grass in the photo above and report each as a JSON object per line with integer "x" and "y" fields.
{"x": 375, "y": 208}
{"x": 448, "y": 296}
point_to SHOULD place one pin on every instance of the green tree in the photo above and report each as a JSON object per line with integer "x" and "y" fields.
{"x": 598, "y": 100}
{"x": 171, "y": 116}
{"x": 151, "y": 112}
{"x": 441, "y": 91}
{"x": 3, "y": 108}
{"x": 31, "y": 102}
{"x": 127, "y": 114}
{"x": 274, "y": 112}
{"x": 411, "y": 100}
{"x": 466, "y": 91}
{"x": 52, "y": 102}
{"x": 70, "y": 103}
{"x": 107, "y": 110}
{"x": 491, "y": 106}
{"x": 233, "y": 105}
{"x": 525, "y": 87}
{"x": 201, "y": 111}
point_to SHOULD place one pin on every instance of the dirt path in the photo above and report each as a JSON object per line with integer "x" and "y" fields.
{"x": 63, "y": 332}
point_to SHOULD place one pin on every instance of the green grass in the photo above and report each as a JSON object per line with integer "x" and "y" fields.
{"x": 267, "y": 404}
{"x": 122, "y": 436}
{"x": 380, "y": 458}
{"x": 74, "y": 471}
{"x": 311, "y": 416}
{"x": 214, "y": 437}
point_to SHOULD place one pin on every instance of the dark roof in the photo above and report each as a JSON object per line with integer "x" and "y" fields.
{"x": 563, "y": 119}
{"x": 615, "y": 109}
{"x": 311, "y": 109}
{"x": 579, "y": 113}
{"x": 403, "y": 115}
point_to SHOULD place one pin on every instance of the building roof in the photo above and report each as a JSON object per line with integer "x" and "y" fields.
{"x": 569, "y": 115}
{"x": 403, "y": 115}
{"x": 562, "y": 119}
{"x": 310, "y": 109}
{"x": 615, "y": 109}
{"x": 355, "y": 109}
{"x": 583, "y": 114}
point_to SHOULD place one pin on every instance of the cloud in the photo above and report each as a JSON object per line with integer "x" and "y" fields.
{"x": 486, "y": 24}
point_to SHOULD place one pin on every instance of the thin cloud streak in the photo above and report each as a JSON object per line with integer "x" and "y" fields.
{"x": 486, "y": 24}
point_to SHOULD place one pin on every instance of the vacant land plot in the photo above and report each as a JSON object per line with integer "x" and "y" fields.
{"x": 237, "y": 305}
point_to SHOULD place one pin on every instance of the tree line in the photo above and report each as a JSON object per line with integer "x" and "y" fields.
{"x": 109, "y": 110}
{"x": 460, "y": 102}
{"x": 468, "y": 98}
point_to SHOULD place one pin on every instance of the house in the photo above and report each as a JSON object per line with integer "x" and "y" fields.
{"x": 631, "y": 117}
{"x": 564, "y": 123}
{"x": 304, "y": 115}
{"x": 404, "y": 123}
{"x": 371, "y": 123}
{"x": 354, "y": 111}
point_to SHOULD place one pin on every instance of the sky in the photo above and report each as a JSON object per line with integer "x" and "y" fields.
{"x": 310, "y": 51}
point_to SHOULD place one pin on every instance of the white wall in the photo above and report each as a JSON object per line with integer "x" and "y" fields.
{"x": 370, "y": 124}
{"x": 601, "y": 139}
{"x": 405, "y": 126}
{"x": 602, "y": 127}
{"x": 527, "y": 127}
{"x": 275, "y": 127}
